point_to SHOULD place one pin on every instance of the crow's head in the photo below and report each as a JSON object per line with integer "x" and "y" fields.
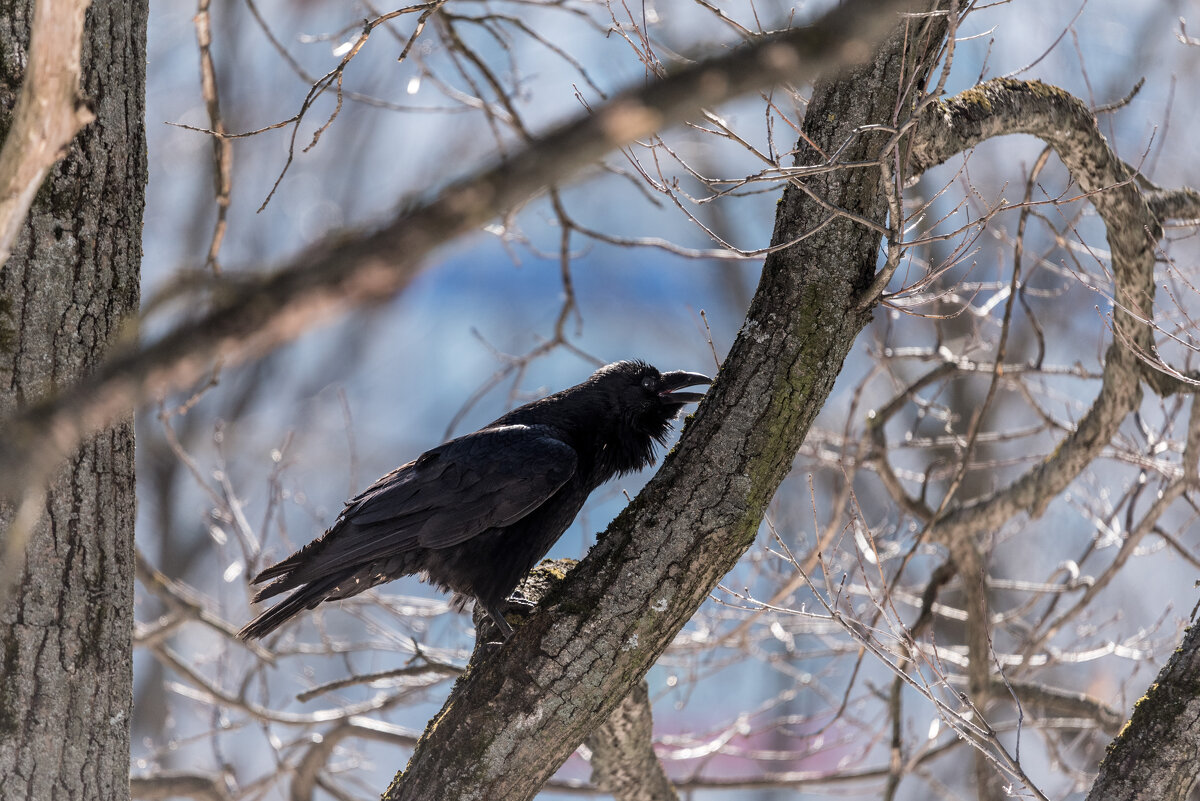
{"x": 644, "y": 399}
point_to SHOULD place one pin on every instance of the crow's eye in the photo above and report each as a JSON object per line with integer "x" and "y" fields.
{"x": 648, "y": 382}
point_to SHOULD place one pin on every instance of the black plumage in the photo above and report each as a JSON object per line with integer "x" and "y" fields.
{"x": 475, "y": 514}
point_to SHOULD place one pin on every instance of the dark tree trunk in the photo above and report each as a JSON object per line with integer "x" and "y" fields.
{"x": 517, "y": 715}
{"x": 1157, "y": 754}
{"x": 67, "y": 292}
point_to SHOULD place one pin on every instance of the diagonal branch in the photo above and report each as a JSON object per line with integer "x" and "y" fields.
{"x": 252, "y": 316}
{"x": 1004, "y": 106}
{"x": 520, "y": 711}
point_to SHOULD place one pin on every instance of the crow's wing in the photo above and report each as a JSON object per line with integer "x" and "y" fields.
{"x": 484, "y": 480}
{"x": 450, "y": 494}
{"x": 488, "y": 479}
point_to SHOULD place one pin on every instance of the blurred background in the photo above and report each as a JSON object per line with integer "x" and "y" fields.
{"x": 653, "y": 255}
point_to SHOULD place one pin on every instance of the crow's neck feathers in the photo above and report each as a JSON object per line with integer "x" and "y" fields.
{"x": 608, "y": 444}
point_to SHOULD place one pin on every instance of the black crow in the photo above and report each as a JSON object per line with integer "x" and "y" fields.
{"x": 475, "y": 514}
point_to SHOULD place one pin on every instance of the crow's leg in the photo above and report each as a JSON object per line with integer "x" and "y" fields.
{"x": 494, "y": 613}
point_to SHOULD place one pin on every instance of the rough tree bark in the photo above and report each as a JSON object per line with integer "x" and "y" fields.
{"x": 624, "y": 762}
{"x": 65, "y": 295}
{"x": 1157, "y": 754}
{"x": 49, "y": 111}
{"x": 517, "y": 714}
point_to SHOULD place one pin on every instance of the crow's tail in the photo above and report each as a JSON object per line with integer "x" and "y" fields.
{"x": 307, "y": 597}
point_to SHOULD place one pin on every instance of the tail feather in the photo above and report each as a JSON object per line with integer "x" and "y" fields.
{"x": 282, "y": 585}
{"x": 307, "y": 597}
{"x": 297, "y": 569}
{"x": 289, "y": 565}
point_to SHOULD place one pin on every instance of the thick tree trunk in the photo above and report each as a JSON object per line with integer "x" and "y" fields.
{"x": 517, "y": 715}
{"x": 1157, "y": 754}
{"x": 68, "y": 289}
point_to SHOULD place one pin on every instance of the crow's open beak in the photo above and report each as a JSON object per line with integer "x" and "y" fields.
{"x": 678, "y": 379}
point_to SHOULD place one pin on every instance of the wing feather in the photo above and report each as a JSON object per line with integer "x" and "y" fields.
{"x": 485, "y": 480}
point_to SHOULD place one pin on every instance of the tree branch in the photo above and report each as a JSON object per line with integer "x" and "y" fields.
{"x": 521, "y": 711}
{"x": 1005, "y": 106}
{"x": 624, "y": 763}
{"x": 1157, "y": 754}
{"x": 251, "y": 316}
{"x": 164, "y": 786}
